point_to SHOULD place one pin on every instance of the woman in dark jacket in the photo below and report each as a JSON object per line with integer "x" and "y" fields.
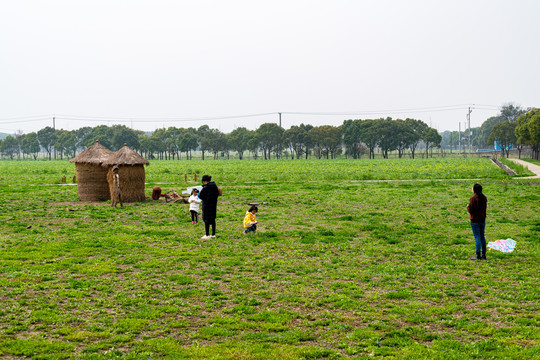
{"x": 477, "y": 214}
{"x": 209, "y": 196}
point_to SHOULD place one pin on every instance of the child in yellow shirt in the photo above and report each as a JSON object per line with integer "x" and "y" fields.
{"x": 250, "y": 221}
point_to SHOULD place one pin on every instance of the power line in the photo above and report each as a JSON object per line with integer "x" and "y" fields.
{"x": 398, "y": 111}
{"x": 16, "y": 121}
{"x": 25, "y": 117}
{"x": 131, "y": 120}
{"x": 159, "y": 119}
{"x": 225, "y": 117}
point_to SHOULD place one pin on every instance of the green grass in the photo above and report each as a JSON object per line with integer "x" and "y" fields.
{"x": 340, "y": 267}
{"x": 519, "y": 169}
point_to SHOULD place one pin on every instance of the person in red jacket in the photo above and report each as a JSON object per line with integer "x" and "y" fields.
{"x": 477, "y": 214}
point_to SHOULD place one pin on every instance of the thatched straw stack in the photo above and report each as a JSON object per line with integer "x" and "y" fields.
{"x": 131, "y": 172}
{"x": 91, "y": 175}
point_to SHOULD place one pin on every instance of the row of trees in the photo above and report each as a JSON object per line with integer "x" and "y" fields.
{"x": 514, "y": 128}
{"x": 527, "y": 132}
{"x": 480, "y": 137}
{"x": 354, "y": 138}
{"x": 60, "y": 143}
{"x": 388, "y": 135}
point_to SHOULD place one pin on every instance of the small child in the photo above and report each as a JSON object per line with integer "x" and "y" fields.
{"x": 194, "y": 202}
{"x": 250, "y": 221}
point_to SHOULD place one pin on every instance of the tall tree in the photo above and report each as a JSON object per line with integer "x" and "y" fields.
{"x": 151, "y": 145}
{"x": 171, "y": 139}
{"x": 187, "y": 141}
{"x": 121, "y": 135}
{"x": 404, "y": 136}
{"x": 201, "y": 132}
{"x": 162, "y": 136}
{"x": 351, "y": 138}
{"x": 369, "y": 135}
{"x": 215, "y": 141}
{"x": 511, "y": 112}
{"x": 81, "y": 135}
{"x": 386, "y": 130}
{"x": 103, "y": 133}
{"x": 47, "y": 138}
{"x": 238, "y": 141}
{"x": 66, "y": 142}
{"x": 534, "y": 131}
{"x": 432, "y": 139}
{"x": 528, "y": 131}
{"x": 308, "y": 141}
{"x": 485, "y": 129}
{"x": 271, "y": 137}
{"x": 9, "y": 146}
{"x": 327, "y": 138}
{"x": 505, "y": 135}
{"x": 296, "y": 138}
{"x": 19, "y": 136}
{"x": 523, "y": 136}
{"x": 417, "y": 129}
{"x": 253, "y": 143}
{"x": 30, "y": 144}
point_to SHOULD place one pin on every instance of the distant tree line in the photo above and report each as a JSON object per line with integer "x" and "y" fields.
{"x": 353, "y": 138}
{"x": 514, "y": 127}
{"x": 527, "y": 132}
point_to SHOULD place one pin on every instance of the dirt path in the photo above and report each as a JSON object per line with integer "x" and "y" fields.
{"x": 532, "y": 167}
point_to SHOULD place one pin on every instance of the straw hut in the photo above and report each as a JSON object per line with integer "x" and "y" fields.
{"x": 91, "y": 175}
{"x": 131, "y": 172}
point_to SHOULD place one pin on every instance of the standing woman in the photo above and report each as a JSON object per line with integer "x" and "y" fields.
{"x": 209, "y": 196}
{"x": 477, "y": 214}
{"x": 114, "y": 186}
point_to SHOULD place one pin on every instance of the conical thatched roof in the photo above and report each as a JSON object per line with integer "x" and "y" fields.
{"x": 126, "y": 156}
{"x": 95, "y": 154}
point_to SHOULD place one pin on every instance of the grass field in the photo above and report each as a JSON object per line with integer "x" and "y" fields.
{"x": 345, "y": 264}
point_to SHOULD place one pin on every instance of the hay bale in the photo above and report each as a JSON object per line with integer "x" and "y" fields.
{"x": 92, "y": 182}
{"x": 91, "y": 177}
{"x": 131, "y": 172}
{"x": 132, "y": 183}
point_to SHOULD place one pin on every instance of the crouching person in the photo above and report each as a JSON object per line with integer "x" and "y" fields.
{"x": 250, "y": 220}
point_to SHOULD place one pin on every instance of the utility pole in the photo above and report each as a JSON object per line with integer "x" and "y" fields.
{"x": 54, "y": 128}
{"x": 279, "y": 119}
{"x": 469, "y": 123}
{"x": 459, "y": 137}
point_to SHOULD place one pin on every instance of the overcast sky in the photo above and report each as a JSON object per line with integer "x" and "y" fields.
{"x": 146, "y": 63}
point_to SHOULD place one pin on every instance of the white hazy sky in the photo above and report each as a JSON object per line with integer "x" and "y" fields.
{"x": 144, "y": 63}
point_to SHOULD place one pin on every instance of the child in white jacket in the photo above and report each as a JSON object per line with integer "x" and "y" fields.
{"x": 194, "y": 202}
